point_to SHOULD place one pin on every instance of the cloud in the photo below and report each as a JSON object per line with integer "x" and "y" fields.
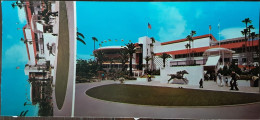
{"x": 15, "y": 55}
{"x": 9, "y": 37}
{"x": 21, "y": 15}
{"x": 172, "y": 22}
{"x": 198, "y": 14}
{"x": 85, "y": 57}
{"x": 235, "y": 32}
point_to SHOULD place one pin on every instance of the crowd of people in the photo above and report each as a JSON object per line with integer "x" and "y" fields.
{"x": 233, "y": 82}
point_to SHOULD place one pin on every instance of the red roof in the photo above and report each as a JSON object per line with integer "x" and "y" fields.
{"x": 182, "y": 40}
{"x": 202, "y": 49}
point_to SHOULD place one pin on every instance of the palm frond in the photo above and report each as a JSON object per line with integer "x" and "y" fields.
{"x": 80, "y": 34}
{"x": 79, "y": 39}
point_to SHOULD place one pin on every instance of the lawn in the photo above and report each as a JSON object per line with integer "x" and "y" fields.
{"x": 165, "y": 96}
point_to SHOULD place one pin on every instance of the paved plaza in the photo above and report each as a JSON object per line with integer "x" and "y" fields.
{"x": 90, "y": 107}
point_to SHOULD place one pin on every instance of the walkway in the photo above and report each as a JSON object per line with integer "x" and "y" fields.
{"x": 91, "y": 107}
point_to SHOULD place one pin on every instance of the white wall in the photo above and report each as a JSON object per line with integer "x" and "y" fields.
{"x": 30, "y": 47}
{"x": 203, "y": 42}
{"x": 194, "y": 76}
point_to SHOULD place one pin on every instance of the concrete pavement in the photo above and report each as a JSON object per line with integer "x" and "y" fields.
{"x": 90, "y": 107}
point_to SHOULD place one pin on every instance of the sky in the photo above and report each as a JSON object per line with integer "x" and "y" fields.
{"x": 117, "y": 21}
{"x": 14, "y": 86}
{"x": 169, "y": 21}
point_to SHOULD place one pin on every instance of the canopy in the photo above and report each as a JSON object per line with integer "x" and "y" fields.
{"x": 212, "y": 60}
{"x": 217, "y": 51}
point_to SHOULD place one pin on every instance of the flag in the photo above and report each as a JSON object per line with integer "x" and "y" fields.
{"x": 109, "y": 40}
{"x": 122, "y": 40}
{"x": 209, "y": 27}
{"x": 116, "y": 40}
{"x": 149, "y": 26}
{"x": 130, "y": 41}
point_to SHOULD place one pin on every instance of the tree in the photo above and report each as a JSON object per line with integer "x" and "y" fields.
{"x": 94, "y": 39}
{"x": 123, "y": 57}
{"x": 189, "y": 38}
{"x": 253, "y": 36}
{"x": 100, "y": 58}
{"x": 130, "y": 47}
{"x": 147, "y": 59}
{"x": 164, "y": 56}
{"x": 187, "y": 46}
{"x": 246, "y": 21}
{"x": 192, "y": 34}
{"x": 249, "y": 33}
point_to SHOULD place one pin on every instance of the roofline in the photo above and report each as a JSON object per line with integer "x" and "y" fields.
{"x": 107, "y": 49}
{"x": 207, "y": 47}
{"x": 184, "y": 39}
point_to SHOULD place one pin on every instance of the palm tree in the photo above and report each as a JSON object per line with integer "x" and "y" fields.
{"x": 192, "y": 33}
{"x": 189, "y": 38}
{"x": 130, "y": 47}
{"x": 94, "y": 39}
{"x": 164, "y": 56}
{"x": 253, "y": 36}
{"x": 123, "y": 57}
{"x": 249, "y": 32}
{"x": 246, "y": 21}
{"x": 245, "y": 32}
{"x": 187, "y": 46}
{"x": 100, "y": 58}
{"x": 79, "y": 39}
{"x": 147, "y": 59}
{"x": 20, "y": 5}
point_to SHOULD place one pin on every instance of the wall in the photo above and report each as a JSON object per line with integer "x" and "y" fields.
{"x": 203, "y": 42}
{"x": 194, "y": 76}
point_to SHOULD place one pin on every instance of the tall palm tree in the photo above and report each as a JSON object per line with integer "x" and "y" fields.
{"x": 245, "y": 32}
{"x": 249, "y": 33}
{"x": 187, "y": 46}
{"x": 130, "y": 47}
{"x": 94, "y": 39}
{"x": 189, "y": 38}
{"x": 147, "y": 59}
{"x": 246, "y": 21}
{"x": 192, "y": 34}
{"x": 164, "y": 56}
{"x": 123, "y": 57}
{"x": 253, "y": 36}
{"x": 100, "y": 58}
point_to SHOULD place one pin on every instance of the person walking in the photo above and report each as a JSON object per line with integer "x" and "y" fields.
{"x": 220, "y": 79}
{"x": 201, "y": 83}
{"x": 234, "y": 76}
{"x": 226, "y": 81}
{"x": 149, "y": 78}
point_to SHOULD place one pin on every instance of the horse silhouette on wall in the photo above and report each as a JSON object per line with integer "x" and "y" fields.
{"x": 179, "y": 77}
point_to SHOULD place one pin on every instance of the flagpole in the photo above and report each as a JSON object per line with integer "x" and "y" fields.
{"x": 219, "y": 33}
{"x": 209, "y": 35}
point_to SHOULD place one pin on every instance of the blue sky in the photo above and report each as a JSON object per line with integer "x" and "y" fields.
{"x": 14, "y": 86}
{"x": 169, "y": 21}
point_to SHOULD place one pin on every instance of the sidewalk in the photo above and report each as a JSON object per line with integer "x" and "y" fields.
{"x": 207, "y": 85}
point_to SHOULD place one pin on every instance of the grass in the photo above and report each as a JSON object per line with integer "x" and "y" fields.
{"x": 63, "y": 57}
{"x": 165, "y": 96}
